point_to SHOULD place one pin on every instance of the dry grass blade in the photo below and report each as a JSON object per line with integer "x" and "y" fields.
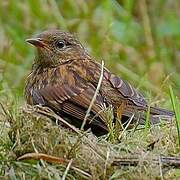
{"x": 130, "y": 120}
{"x": 94, "y": 97}
{"x": 134, "y": 161}
{"x": 67, "y": 169}
{"x": 53, "y": 159}
{"x": 85, "y": 174}
{"x": 106, "y": 163}
{"x": 45, "y": 157}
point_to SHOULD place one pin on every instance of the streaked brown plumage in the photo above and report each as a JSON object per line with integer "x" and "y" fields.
{"x": 64, "y": 77}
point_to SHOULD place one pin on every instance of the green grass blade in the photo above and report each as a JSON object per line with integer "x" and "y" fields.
{"x": 176, "y": 110}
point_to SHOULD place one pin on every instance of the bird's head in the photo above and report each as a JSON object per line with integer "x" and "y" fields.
{"x": 57, "y": 47}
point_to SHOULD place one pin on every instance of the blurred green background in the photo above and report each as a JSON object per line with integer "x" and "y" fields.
{"x": 138, "y": 40}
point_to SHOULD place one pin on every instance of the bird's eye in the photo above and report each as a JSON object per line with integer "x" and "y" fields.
{"x": 60, "y": 44}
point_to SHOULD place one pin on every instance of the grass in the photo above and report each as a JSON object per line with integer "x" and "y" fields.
{"x": 175, "y": 105}
{"x": 138, "y": 40}
{"x": 89, "y": 158}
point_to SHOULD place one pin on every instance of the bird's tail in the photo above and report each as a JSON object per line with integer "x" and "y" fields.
{"x": 157, "y": 114}
{"x": 162, "y": 113}
{"x": 155, "y": 117}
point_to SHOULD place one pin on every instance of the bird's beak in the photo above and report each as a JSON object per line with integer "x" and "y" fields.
{"x": 38, "y": 42}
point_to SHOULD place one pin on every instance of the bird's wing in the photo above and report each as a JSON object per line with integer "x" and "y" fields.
{"x": 126, "y": 90}
{"x": 136, "y": 101}
{"x": 69, "y": 92}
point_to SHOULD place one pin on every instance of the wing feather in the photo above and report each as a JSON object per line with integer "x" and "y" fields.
{"x": 71, "y": 96}
{"x": 122, "y": 86}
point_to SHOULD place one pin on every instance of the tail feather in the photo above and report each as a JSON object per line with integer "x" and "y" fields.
{"x": 164, "y": 113}
{"x": 156, "y": 114}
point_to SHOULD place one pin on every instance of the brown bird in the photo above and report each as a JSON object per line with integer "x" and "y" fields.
{"x": 64, "y": 78}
